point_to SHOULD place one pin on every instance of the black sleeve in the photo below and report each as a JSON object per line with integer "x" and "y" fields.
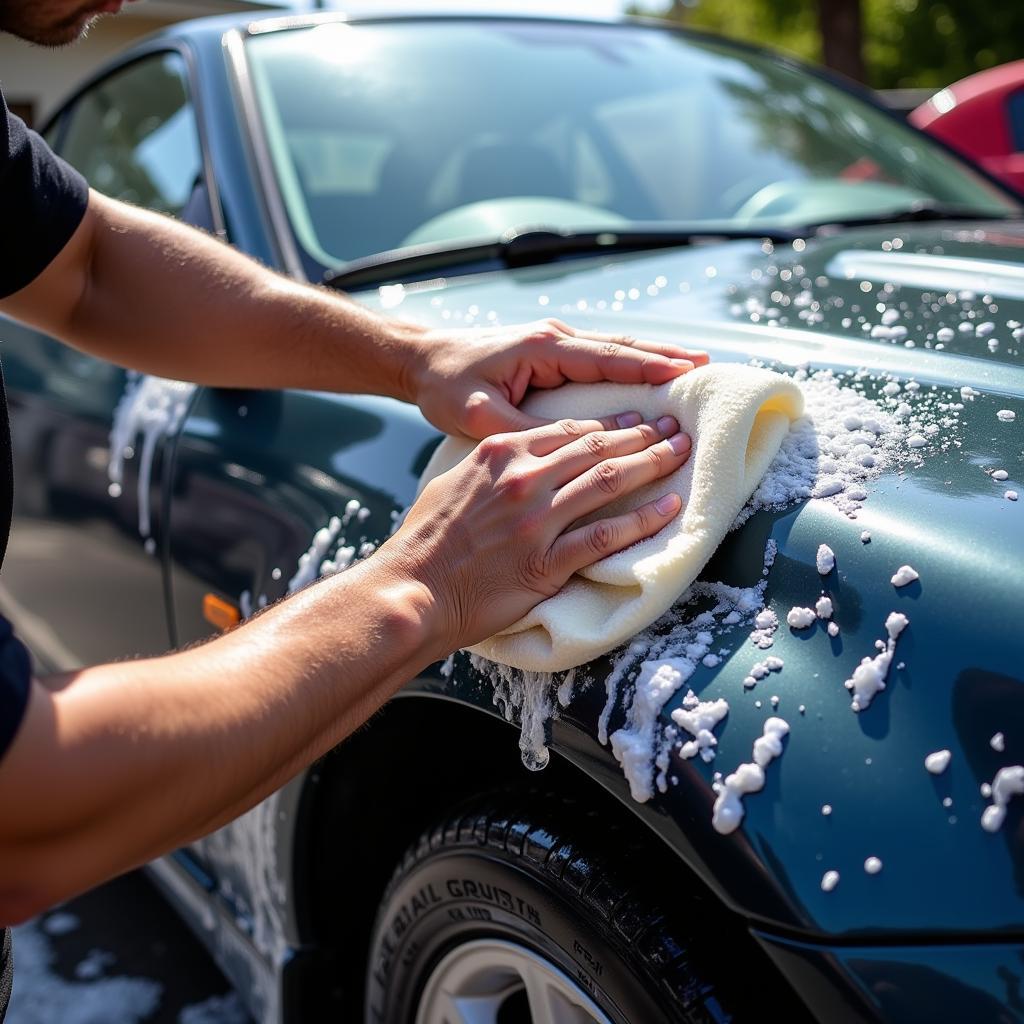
{"x": 15, "y": 677}
{"x": 42, "y": 202}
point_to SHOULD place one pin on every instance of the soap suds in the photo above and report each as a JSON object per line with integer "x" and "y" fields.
{"x": 699, "y": 718}
{"x": 1008, "y": 783}
{"x": 823, "y": 607}
{"x": 998, "y": 742}
{"x": 154, "y": 407}
{"x": 632, "y": 745}
{"x": 800, "y": 618}
{"x": 938, "y": 761}
{"x": 844, "y": 441}
{"x": 825, "y": 559}
{"x": 904, "y": 574}
{"x": 1006, "y": 415}
{"x": 872, "y": 865}
{"x": 728, "y": 810}
{"x": 869, "y": 676}
{"x": 41, "y": 996}
{"x": 829, "y": 880}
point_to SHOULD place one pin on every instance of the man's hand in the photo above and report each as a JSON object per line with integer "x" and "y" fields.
{"x": 470, "y": 382}
{"x": 495, "y": 535}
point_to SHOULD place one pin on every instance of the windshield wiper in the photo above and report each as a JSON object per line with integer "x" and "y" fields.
{"x": 918, "y": 213}
{"x": 525, "y": 247}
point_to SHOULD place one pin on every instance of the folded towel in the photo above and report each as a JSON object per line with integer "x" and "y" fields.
{"x": 736, "y": 417}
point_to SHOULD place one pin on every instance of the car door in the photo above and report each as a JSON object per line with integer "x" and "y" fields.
{"x": 83, "y": 577}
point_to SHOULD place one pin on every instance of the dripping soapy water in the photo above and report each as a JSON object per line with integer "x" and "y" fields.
{"x": 156, "y": 408}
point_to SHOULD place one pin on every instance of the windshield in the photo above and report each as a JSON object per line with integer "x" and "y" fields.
{"x": 385, "y": 135}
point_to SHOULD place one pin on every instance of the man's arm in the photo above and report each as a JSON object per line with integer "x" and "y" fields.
{"x": 147, "y": 292}
{"x": 117, "y": 764}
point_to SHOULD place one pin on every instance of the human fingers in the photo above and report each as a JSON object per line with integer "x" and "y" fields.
{"x": 557, "y": 434}
{"x": 588, "y": 544}
{"x": 671, "y": 350}
{"x": 615, "y": 477}
{"x": 572, "y": 460}
{"x": 586, "y": 361}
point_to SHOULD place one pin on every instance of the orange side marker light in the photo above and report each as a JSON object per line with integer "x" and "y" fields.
{"x": 221, "y": 613}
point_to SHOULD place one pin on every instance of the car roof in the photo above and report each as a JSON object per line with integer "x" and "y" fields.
{"x": 357, "y": 12}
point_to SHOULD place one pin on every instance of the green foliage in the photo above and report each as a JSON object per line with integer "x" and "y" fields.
{"x": 906, "y": 42}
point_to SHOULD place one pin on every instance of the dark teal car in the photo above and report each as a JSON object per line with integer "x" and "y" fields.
{"x": 465, "y": 171}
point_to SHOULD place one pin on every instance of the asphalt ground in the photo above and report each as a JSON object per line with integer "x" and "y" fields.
{"x": 117, "y": 955}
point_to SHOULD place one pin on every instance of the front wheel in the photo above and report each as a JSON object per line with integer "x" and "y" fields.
{"x": 503, "y": 918}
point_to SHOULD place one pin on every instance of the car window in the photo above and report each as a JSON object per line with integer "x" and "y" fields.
{"x": 1015, "y": 108}
{"x": 569, "y": 126}
{"x": 134, "y": 137}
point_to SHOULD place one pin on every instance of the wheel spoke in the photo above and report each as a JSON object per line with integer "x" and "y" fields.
{"x": 478, "y": 980}
{"x": 549, "y": 1003}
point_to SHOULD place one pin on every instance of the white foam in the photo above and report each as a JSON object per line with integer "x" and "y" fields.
{"x": 938, "y": 761}
{"x": 998, "y": 742}
{"x": 41, "y": 996}
{"x": 633, "y": 744}
{"x": 869, "y": 676}
{"x": 800, "y": 618}
{"x": 226, "y": 1009}
{"x": 728, "y": 810}
{"x": 825, "y": 559}
{"x": 872, "y": 865}
{"x": 904, "y": 574}
{"x": 154, "y": 407}
{"x": 699, "y": 718}
{"x": 843, "y": 441}
{"x": 1006, "y": 415}
{"x": 1008, "y": 783}
{"x": 829, "y": 880}
{"x": 823, "y": 607}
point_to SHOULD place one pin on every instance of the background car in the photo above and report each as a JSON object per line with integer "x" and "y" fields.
{"x": 469, "y": 171}
{"x": 982, "y": 116}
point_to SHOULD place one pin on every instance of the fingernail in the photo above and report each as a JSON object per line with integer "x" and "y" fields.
{"x": 683, "y": 364}
{"x": 629, "y": 419}
{"x": 667, "y": 425}
{"x": 668, "y": 504}
{"x": 679, "y": 443}
{"x": 696, "y": 352}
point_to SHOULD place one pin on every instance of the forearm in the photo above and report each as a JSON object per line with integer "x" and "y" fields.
{"x": 128, "y": 761}
{"x": 155, "y": 295}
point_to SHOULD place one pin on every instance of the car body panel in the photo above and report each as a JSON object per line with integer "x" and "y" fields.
{"x": 913, "y": 985}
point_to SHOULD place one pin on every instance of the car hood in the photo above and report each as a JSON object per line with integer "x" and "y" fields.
{"x": 959, "y": 675}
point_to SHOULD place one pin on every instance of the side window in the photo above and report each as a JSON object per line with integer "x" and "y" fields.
{"x": 134, "y": 135}
{"x": 1015, "y": 108}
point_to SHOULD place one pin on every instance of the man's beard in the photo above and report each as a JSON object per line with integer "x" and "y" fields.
{"x": 45, "y": 22}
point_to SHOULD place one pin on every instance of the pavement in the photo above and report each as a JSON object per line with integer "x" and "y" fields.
{"x": 117, "y": 955}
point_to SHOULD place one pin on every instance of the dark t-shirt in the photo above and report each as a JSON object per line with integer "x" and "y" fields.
{"x": 42, "y": 202}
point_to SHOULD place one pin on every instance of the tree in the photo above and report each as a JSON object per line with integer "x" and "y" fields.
{"x": 902, "y": 43}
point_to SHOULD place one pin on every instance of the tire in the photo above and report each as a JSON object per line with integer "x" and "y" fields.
{"x": 493, "y": 882}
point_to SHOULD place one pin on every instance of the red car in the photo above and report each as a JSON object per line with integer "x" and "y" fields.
{"x": 982, "y": 117}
